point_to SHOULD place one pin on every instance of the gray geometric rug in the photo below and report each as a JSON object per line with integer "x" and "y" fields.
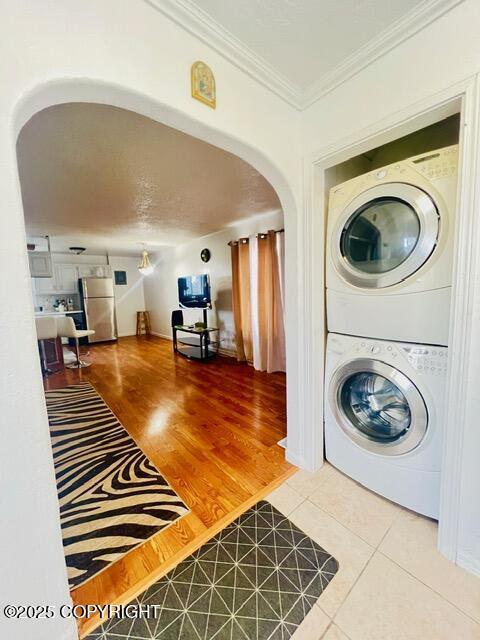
{"x": 256, "y": 580}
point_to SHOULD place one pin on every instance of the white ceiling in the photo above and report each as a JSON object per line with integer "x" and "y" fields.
{"x": 304, "y": 39}
{"x": 108, "y": 179}
{"x": 301, "y": 49}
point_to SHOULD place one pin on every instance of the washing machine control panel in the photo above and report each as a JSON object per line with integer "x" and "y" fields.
{"x": 428, "y": 360}
{"x": 425, "y": 360}
{"x": 372, "y": 348}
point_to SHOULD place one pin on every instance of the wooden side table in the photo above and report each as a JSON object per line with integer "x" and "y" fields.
{"x": 143, "y": 323}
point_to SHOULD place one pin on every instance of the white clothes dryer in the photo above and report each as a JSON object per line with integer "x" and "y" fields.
{"x": 384, "y": 411}
{"x": 390, "y": 250}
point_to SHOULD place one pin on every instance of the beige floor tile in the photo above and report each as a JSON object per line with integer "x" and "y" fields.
{"x": 362, "y": 511}
{"x": 335, "y": 633}
{"x": 350, "y": 551}
{"x": 412, "y": 543}
{"x": 388, "y": 603}
{"x": 305, "y": 482}
{"x": 285, "y": 499}
{"x": 314, "y": 625}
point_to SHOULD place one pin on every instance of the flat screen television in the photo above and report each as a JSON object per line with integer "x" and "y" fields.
{"x": 194, "y": 292}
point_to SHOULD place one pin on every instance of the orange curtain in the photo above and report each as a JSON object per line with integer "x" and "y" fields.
{"x": 270, "y": 354}
{"x": 241, "y": 299}
{"x": 257, "y": 286}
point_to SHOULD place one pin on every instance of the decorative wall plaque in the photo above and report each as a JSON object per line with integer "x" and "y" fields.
{"x": 203, "y": 84}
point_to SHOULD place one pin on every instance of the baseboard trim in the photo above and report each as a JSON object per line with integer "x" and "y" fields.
{"x": 294, "y": 459}
{"x": 161, "y": 335}
{"x": 300, "y": 461}
{"x": 227, "y": 353}
{"x": 469, "y": 563}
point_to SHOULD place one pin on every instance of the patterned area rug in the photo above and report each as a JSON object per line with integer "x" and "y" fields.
{"x": 256, "y": 580}
{"x": 111, "y": 496}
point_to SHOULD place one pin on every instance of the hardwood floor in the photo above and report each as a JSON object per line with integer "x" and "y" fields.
{"x": 211, "y": 429}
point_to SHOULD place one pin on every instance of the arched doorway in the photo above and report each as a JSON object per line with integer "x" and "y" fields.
{"x": 173, "y": 117}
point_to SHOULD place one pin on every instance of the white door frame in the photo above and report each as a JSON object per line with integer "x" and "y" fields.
{"x": 463, "y": 96}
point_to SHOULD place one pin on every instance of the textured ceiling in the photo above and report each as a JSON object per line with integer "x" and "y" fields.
{"x": 107, "y": 179}
{"x": 305, "y": 39}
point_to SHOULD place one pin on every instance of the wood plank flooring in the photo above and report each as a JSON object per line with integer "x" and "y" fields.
{"x": 211, "y": 429}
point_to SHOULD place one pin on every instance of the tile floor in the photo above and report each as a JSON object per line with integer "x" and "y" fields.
{"x": 392, "y": 583}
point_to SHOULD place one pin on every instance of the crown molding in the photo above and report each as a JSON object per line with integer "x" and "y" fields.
{"x": 400, "y": 31}
{"x": 197, "y": 22}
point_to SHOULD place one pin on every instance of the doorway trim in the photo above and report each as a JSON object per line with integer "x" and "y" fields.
{"x": 464, "y": 97}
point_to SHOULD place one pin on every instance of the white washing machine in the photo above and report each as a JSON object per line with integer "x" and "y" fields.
{"x": 390, "y": 250}
{"x": 384, "y": 413}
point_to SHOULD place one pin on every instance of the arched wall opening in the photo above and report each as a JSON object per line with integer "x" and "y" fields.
{"x": 63, "y": 91}
{"x": 60, "y": 92}
{"x": 75, "y": 90}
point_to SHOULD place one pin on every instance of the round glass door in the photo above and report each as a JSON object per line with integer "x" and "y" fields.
{"x": 381, "y": 235}
{"x": 378, "y": 407}
{"x": 384, "y": 235}
{"x": 375, "y": 406}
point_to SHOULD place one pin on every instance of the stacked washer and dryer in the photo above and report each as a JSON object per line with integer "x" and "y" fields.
{"x": 388, "y": 277}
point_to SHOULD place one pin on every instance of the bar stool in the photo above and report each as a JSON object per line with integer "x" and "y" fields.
{"x": 46, "y": 330}
{"x": 66, "y": 329}
{"x": 143, "y": 323}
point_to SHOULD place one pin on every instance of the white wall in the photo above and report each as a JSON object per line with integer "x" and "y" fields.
{"x": 161, "y": 294}
{"x": 83, "y": 258}
{"x": 129, "y": 298}
{"x": 124, "y": 53}
{"x": 445, "y": 53}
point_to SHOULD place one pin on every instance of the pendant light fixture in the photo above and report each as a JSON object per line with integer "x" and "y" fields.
{"x": 145, "y": 266}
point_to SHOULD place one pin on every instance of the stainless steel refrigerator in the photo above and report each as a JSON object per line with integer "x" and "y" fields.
{"x": 99, "y": 307}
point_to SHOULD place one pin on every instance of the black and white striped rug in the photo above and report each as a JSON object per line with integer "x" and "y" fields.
{"x": 111, "y": 496}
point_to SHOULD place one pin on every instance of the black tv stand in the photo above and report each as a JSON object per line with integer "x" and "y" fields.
{"x": 198, "y": 347}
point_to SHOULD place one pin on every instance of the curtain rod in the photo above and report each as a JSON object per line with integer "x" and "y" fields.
{"x": 261, "y": 235}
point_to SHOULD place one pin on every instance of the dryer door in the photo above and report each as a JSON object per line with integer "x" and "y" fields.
{"x": 385, "y": 235}
{"x": 378, "y": 407}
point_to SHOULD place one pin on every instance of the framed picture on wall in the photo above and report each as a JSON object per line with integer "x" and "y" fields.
{"x": 203, "y": 84}
{"x": 120, "y": 277}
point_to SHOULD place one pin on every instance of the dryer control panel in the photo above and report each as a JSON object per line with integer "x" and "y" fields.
{"x": 428, "y": 360}
{"x": 438, "y": 164}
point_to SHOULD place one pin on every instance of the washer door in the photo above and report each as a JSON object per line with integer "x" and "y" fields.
{"x": 384, "y": 235}
{"x": 378, "y": 407}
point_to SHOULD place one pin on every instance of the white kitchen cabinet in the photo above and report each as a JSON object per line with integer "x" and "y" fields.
{"x": 107, "y": 271}
{"x": 95, "y": 271}
{"x": 40, "y": 264}
{"x": 66, "y": 276}
{"x": 85, "y": 271}
{"x": 44, "y": 286}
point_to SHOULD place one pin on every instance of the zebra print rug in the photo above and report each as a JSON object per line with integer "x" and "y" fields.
{"x": 111, "y": 496}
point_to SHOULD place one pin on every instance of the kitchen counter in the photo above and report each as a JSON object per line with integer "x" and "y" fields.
{"x": 56, "y": 313}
